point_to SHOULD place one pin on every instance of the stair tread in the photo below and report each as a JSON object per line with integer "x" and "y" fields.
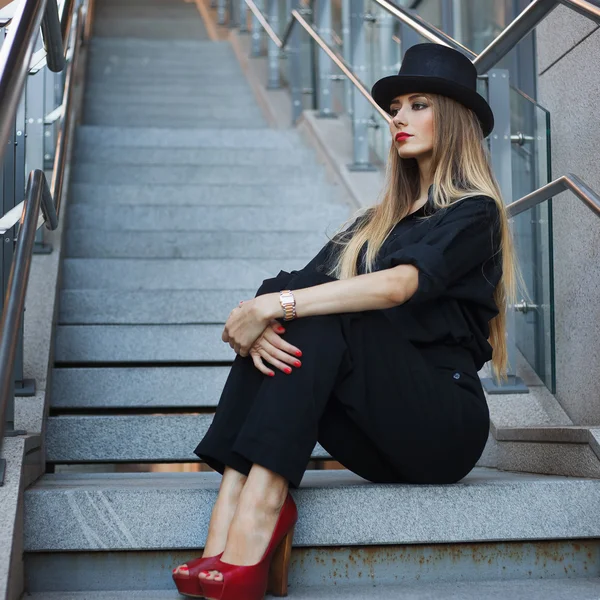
{"x": 301, "y": 196}
{"x": 242, "y": 219}
{"x": 337, "y": 508}
{"x": 172, "y": 274}
{"x": 130, "y": 438}
{"x": 515, "y": 589}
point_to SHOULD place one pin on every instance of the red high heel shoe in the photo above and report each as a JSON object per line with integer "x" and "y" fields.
{"x": 269, "y": 575}
{"x": 190, "y": 584}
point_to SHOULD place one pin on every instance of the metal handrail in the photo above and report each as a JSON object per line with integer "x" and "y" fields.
{"x": 340, "y": 63}
{"x": 423, "y": 28}
{"x": 13, "y": 216}
{"x": 506, "y": 41}
{"x": 16, "y": 53}
{"x": 39, "y": 195}
{"x": 567, "y": 182}
{"x": 265, "y": 24}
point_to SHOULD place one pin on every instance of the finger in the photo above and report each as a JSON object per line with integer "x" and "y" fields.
{"x": 258, "y": 363}
{"x": 276, "y": 326}
{"x": 280, "y": 343}
{"x": 275, "y": 352}
{"x": 278, "y": 364}
{"x": 237, "y": 348}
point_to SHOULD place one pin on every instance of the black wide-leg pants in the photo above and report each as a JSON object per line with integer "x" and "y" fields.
{"x": 387, "y": 410}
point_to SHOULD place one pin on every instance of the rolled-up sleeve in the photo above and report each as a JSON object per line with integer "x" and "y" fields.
{"x": 460, "y": 243}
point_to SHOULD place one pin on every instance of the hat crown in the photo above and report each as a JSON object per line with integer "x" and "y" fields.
{"x": 435, "y": 60}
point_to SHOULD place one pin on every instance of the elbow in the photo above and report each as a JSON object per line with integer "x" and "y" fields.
{"x": 404, "y": 281}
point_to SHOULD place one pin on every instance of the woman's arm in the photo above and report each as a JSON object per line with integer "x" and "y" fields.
{"x": 372, "y": 291}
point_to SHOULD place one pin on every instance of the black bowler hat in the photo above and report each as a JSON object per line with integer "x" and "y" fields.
{"x": 439, "y": 70}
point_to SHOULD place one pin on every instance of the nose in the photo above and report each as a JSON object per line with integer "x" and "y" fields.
{"x": 398, "y": 119}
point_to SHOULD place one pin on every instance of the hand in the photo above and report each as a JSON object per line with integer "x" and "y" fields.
{"x": 244, "y": 324}
{"x": 271, "y": 347}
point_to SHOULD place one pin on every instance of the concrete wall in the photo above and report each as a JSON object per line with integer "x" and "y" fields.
{"x": 568, "y": 47}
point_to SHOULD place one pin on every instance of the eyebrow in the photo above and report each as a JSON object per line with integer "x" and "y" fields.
{"x": 410, "y": 98}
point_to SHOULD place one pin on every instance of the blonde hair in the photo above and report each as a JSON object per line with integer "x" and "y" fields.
{"x": 461, "y": 168}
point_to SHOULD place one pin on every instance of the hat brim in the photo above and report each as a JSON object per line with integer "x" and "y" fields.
{"x": 388, "y": 88}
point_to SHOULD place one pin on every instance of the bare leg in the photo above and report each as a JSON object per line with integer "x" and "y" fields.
{"x": 257, "y": 512}
{"x": 230, "y": 489}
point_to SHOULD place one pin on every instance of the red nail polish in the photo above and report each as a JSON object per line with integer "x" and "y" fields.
{"x": 281, "y": 330}
{"x": 271, "y": 374}
{"x": 288, "y": 370}
{"x": 298, "y": 353}
{"x": 297, "y": 363}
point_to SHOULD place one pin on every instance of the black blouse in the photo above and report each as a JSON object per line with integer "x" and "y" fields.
{"x": 456, "y": 250}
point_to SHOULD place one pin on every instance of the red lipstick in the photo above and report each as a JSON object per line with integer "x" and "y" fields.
{"x": 400, "y": 137}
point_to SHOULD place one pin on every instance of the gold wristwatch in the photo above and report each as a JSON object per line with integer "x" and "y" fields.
{"x": 288, "y": 304}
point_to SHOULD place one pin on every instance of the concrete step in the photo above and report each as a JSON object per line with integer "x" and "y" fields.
{"x": 300, "y": 197}
{"x": 172, "y": 121}
{"x": 159, "y": 48}
{"x": 169, "y": 274}
{"x": 185, "y": 27}
{"x": 170, "y": 101}
{"x": 207, "y": 218}
{"x": 140, "y": 387}
{"x": 114, "y": 62}
{"x": 184, "y": 88}
{"x": 161, "y": 307}
{"x": 583, "y": 588}
{"x": 153, "y": 511}
{"x": 131, "y": 438}
{"x": 194, "y": 174}
{"x": 157, "y": 137}
{"x": 96, "y": 243}
{"x": 114, "y": 344}
{"x": 198, "y": 111}
{"x": 299, "y": 157}
{"x": 107, "y": 75}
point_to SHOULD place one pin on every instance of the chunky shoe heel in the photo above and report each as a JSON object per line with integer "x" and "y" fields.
{"x": 280, "y": 567}
{"x": 251, "y": 583}
{"x": 190, "y": 584}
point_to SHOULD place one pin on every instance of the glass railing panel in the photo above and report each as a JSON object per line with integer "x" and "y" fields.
{"x": 532, "y": 232}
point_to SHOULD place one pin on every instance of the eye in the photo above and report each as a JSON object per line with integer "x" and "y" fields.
{"x": 421, "y": 104}
{"x": 394, "y": 111}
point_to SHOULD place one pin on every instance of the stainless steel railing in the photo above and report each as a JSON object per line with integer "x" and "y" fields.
{"x": 15, "y": 57}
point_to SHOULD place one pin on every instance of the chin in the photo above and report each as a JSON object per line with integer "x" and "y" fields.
{"x": 404, "y": 152}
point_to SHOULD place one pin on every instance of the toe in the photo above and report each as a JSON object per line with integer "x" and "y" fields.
{"x": 218, "y": 576}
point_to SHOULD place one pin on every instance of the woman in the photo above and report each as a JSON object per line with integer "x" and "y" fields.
{"x": 393, "y": 319}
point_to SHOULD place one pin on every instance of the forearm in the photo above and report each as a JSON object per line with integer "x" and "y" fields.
{"x": 372, "y": 291}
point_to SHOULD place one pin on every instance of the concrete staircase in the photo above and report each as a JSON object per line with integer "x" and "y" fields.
{"x": 182, "y": 201}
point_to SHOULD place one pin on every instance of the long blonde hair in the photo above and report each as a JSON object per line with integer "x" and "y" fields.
{"x": 461, "y": 167}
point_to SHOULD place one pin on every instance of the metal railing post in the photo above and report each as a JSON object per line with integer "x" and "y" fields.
{"x": 35, "y": 130}
{"x": 273, "y": 49}
{"x": 500, "y": 148}
{"x": 295, "y": 67}
{"x": 234, "y": 13}
{"x": 347, "y": 54}
{"x": 221, "y": 10}
{"x": 361, "y": 109}
{"x": 7, "y": 172}
{"x": 389, "y": 50}
{"x": 23, "y": 387}
{"x": 257, "y": 32}
{"x": 243, "y": 10}
{"x": 323, "y": 26}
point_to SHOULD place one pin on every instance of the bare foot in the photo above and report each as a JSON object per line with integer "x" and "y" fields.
{"x": 254, "y": 522}
{"x": 221, "y": 517}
